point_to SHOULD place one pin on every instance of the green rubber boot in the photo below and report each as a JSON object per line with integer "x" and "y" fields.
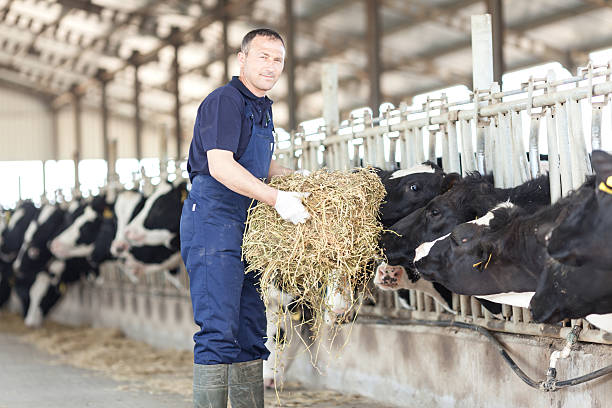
{"x": 246, "y": 389}
{"x": 210, "y": 385}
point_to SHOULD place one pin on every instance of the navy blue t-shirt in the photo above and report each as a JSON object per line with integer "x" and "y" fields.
{"x": 221, "y": 123}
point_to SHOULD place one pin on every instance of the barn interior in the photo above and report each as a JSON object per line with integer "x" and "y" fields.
{"x": 103, "y": 94}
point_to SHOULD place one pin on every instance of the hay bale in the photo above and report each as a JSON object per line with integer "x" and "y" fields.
{"x": 334, "y": 248}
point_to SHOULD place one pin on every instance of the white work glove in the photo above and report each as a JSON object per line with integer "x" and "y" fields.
{"x": 303, "y": 172}
{"x": 289, "y": 206}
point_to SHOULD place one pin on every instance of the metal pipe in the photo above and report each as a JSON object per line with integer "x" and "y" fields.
{"x": 480, "y": 149}
{"x": 596, "y": 128}
{"x": 565, "y": 160}
{"x": 554, "y": 174}
{"x": 453, "y": 149}
{"x": 534, "y": 146}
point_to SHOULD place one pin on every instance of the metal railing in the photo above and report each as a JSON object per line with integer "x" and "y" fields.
{"x": 484, "y": 133}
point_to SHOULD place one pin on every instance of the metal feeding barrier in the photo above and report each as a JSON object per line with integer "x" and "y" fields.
{"x": 483, "y": 133}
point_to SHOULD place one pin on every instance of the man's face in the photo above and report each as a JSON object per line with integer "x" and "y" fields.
{"x": 263, "y": 64}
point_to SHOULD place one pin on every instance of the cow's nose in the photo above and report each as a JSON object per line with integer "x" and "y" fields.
{"x": 57, "y": 247}
{"x": 134, "y": 235}
{"x": 121, "y": 246}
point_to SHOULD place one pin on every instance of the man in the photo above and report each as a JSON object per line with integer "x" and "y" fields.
{"x": 229, "y": 156}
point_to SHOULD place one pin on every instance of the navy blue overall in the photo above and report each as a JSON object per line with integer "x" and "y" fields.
{"x": 226, "y": 303}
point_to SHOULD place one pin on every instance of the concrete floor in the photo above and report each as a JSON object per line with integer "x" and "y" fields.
{"x": 30, "y": 377}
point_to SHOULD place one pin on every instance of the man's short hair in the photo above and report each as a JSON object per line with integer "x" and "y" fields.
{"x": 264, "y": 32}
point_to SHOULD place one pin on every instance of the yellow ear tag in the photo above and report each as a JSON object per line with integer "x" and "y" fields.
{"x": 609, "y": 181}
{"x": 108, "y": 214}
{"x": 62, "y": 288}
{"x": 183, "y": 196}
{"x": 603, "y": 187}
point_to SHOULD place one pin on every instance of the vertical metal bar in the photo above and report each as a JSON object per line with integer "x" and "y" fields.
{"x": 77, "y": 135}
{"x": 482, "y": 51}
{"x": 105, "y": 119}
{"x": 290, "y": 22}
{"x": 517, "y": 314}
{"x": 596, "y": 128}
{"x": 505, "y": 150}
{"x": 480, "y": 149}
{"x": 380, "y": 150}
{"x": 405, "y": 147}
{"x": 581, "y": 165}
{"x": 521, "y": 165}
{"x": 393, "y": 141}
{"x": 475, "y": 307}
{"x": 418, "y": 145}
{"x": 445, "y": 150}
{"x": 178, "y": 134}
{"x": 553, "y": 156}
{"x": 373, "y": 36}
{"x": 534, "y": 146}
{"x": 431, "y": 142}
{"x": 490, "y": 146}
{"x": 355, "y": 155}
{"x": 468, "y": 162}
{"x": 464, "y": 301}
{"x": 495, "y": 8}
{"x": 55, "y": 133}
{"x": 137, "y": 122}
{"x": 565, "y": 160}
{"x": 329, "y": 88}
{"x": 410, "y": 146}
{"x": 453, "y": 149}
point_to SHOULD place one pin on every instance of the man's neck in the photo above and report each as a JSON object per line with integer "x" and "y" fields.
{"x": 255, "y": 91}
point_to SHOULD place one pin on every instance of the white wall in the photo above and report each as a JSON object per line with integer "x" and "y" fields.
{"x": 25, "y": 127}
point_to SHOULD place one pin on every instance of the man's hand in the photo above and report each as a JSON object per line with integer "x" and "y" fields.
{"x": 303, "y": 172}
{"x": 289, "y": 206}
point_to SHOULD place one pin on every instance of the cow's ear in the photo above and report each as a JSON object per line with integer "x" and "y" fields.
{"x": 602, "y": 164}
{"x": 107, "y": 213}
{"x": 449, "y": 181}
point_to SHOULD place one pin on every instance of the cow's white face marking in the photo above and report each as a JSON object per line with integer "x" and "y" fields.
{"x": 124, "y": 207}
{"x": 486, "y": 219}
{"x": 74, "y": 205}
{"x": 45, "y": 213}
{"x": 34, "y": 316}
{"x": 135, "y": 230}
{"x": 64, "y": 245}
{"x": 520, "y": 299}
{"x": 419, "y": 168}
{"x": 16, "y": 217}
{"x": 26, "y": 242}
{"x": 423, "y": 250}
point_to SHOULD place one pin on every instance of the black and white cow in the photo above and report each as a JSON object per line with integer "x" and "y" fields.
{"x": 406, "y": 190}
{"x": 578, "y": 280}
{"x": 503, "y": 256}
{"x": 34, "y": 255}
{"x": 70, "y": 248}
{"x": 412, "y": 188}
{"x": 12, "y": 239}
{"x": 469, "y": 199}
{"x": 153, "y": 234}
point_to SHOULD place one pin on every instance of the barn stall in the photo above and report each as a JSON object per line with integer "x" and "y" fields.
{"x": 421, "y": 354}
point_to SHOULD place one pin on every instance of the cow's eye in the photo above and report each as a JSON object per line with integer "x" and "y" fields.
{"x": 414, "y": 187}
{"x": 434, "y": 212}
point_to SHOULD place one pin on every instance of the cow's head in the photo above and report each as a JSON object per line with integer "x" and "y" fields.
{"x": 161, "y": 212}
{"x": 472, "y": 197}
{"x": 412, "y": 188}
{"x": 77, "y": 240}
{"x": 34, "y": 253}
{"x": 128, "y": 204}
